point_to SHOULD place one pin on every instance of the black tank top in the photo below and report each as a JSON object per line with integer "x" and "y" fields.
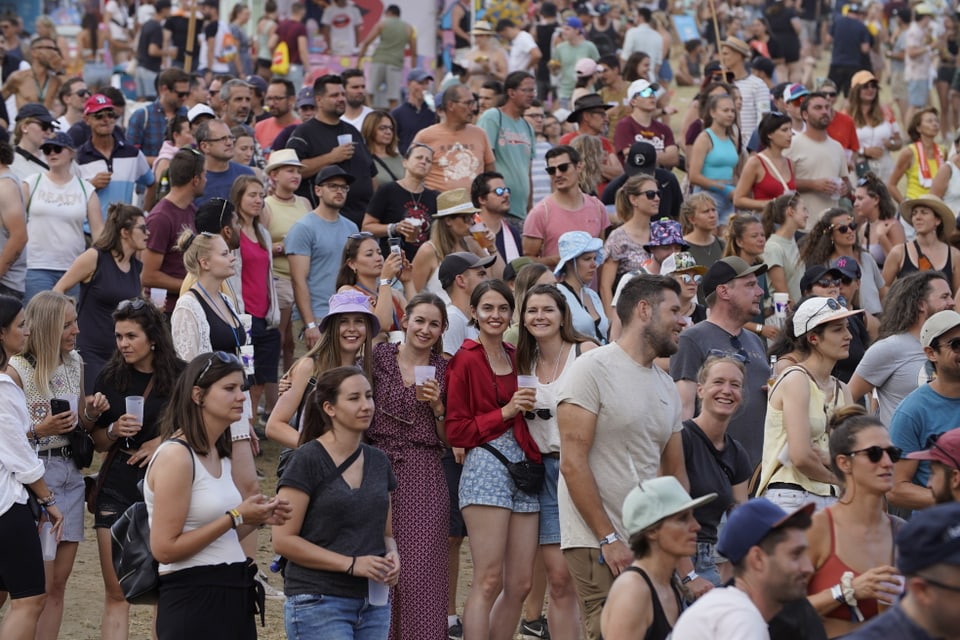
{"x": 909, "y": 267}
{"x": 223, "y": 337}
{"x": 660, "y": 628}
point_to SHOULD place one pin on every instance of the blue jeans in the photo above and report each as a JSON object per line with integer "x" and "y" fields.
{"x": 43, "y": 280}
{"x": 705, "y": 563}
{"x": 309, "y": 616}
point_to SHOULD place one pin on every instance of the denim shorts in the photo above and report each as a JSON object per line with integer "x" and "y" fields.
{"x": 486, "y": 481}
{"x": 792, "y": 499}
{"x": 63, "y": 478}
{"x": 549, "y": 505}
{"x": 43, "y": 280}
{"x": 308, "y": 616}
{"x": 918, "y": 92}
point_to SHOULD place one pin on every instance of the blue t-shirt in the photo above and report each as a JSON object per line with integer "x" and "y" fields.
{"x": 321, "y": 240}
{"x": 922, "y": 414}
{"x": 848, "y": 34}
{"x": 219, "y": 183}
{"x": 893, "y": 623}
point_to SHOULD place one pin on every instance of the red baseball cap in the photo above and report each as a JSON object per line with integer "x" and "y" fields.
{"x": 97, "y": 102}
{"x": 944, "y": 449}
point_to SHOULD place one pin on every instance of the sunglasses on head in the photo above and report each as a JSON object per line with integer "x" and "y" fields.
{"x": 843, "y": 228}
{"x": 932, "y": 444}
{"x": 362, "y": 235}
{"x": 543, "y": 414}
{"x": 562, "y": 168}
{"x": 222, "y": 356}
{"x": 50, "y": 149}
{"x": 109, "y": 115}
{"x": 501, "y": 191}
{"x": 736, "y": 355}
{"x": 875, "y": 453}
{"x": 133, "y": 303}
{"x": 831, "y": 304}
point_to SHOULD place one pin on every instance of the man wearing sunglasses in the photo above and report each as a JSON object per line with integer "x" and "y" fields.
{"x": 111, "y": 165}
{"x": 41, "y": 82}
{"x": 148, "y": 124}
{"x": 73, "y": 94}
{"x": 928, "y": 411}
{"x": 491, "y": 195}
{"x": 640, "y": 125}
{"x": 943, "y": 455}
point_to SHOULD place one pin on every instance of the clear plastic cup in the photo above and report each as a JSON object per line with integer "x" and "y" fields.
{"x": 378, "y": 593}
{"x": 421, "y": 374}
{"x": 344, "y": 138}
{"x": 527, "y": 382}
{"x": 135, "y": 407}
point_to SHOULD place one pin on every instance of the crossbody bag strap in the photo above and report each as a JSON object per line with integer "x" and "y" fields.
{"x": 340, "y": 469}
{"x": 772, "y": 168}
{"x": 385, "y": 167}
{"x": 496, "y": 454}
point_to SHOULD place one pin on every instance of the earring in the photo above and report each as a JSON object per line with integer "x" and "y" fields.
{"x": 153, "y": 347}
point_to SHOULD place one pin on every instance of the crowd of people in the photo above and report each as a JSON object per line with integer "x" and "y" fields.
{"x": 706, "y": 387}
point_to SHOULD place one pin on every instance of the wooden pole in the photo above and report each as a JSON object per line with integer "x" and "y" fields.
{"x": 716, "y": 27}
{"x": 191, "y": 35}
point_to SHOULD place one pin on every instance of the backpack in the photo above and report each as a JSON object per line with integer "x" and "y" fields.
{"x": 281, "y": 59}
{"x": 228, "y": 46}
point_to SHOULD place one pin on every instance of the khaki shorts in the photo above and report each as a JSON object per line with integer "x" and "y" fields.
{"x": 592, "y": 581}
{"x": 284, "y": 292}
{"x": 898, "y": 86}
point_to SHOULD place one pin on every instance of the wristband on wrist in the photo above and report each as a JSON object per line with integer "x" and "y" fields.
{"x": 690, "y": 577}
{"x": 311, "y": 325}
{"x": 837, "y": 592}
{"x": 33, "y": 434}
{"x": 353, "y": 563}
{"x": 88, "y": 418}
{"x": 391, "y": 229}
{"x": 385, "y": 282}
{"x": 235, "y": 518}
{"x": 49, "y": 500}
{"x": 110, "y": 432}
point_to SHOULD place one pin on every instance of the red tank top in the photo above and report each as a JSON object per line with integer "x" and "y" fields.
{"x": 769, "y": 187}
{"x": 829, "y": 575}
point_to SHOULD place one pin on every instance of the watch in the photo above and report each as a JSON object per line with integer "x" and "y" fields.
{"x": 311, "y": 325}
{"x": 609, "y": 539}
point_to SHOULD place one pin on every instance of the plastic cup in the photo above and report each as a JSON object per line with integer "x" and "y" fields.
{"x": 378, "y": 593}
{"x": 527, "y": 382}
{"x": 135, "y": 407}
{"x": 344, "y": 138}
{"x": 837, "y": 186}
{"x": 158, "y": 297}
{"x": 780, "y": 301}
{"x": 897, "y": 585}
{"x": 479, "y": 232}
{"x": 421, "y": 374}
{"x": 48, "y": 542}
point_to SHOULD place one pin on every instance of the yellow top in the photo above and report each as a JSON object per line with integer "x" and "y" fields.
{"x": 914, "y": 188}
{"x": 283, "y": 215}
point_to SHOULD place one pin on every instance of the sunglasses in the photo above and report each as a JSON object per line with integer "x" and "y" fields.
{"x": 649, "y": 92}
{"x": 831, "y": 304}
{"x": 133, "y": 303}
{"x": 871, "y": 85}
{"x": 720, "y": 353}
{"x": 827, "y": 282}
{"x": 142, "y": 227}
{"x": 932, "y": 444}
{"x": 954, "y": 345}
{"x": 50, "y": 149}
{"x": 83, "y": 93}
{"x": 687, "y": 278}
{"x": 362, "y": 235}
{"x": 829, "y": 94}
{"x": 940, "y": 585}
{"x": 182, "y": 94}
{"x": 562, "y": 168}
{"x": 221, "y": 139}
{"x": 501, "y": 191}
{"x": 651, "y": 194}
{"x": 336, "y": 186}
{"x": 109, "y": 115}
{"x": 875, "y": 453}
{"x": 843, "y": 228}
{"x": 722, "y": 76}
{"x": 222, "y": 356}
{"x": 543, "y": 414}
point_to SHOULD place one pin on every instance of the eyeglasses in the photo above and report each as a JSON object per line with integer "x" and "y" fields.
{"x": 470, "y": 102}
{"x": 562, "y": 168}
{"x": 831, "y": 304}
{"x": 362, "y": 235}
{"x": 843, "y": 228}
{"x": 651, "y": 194}
{"x": 722, "y": 76}
{"x": 221, "y": 139}
{"x": 337, "y": 186}
{"x": 44, "y": 47}
{"x": 875, "y": 453}
{"x": 953, "y": 343}
{"x": 501, "y": 191}
{"x": 133, "y": 303}
{"x": 109, "y": 115}
{"x": 687, "y": 278}
{"x": 142, "y": 227}
{"x": 543, "y": 414}
{"x": 83, "y": 93}
{"x": 940, "y": 585}
{"x": 827, "y": 282}
{"x": 222, "y": 356}
{"x": 871, "y": 85}
{"x": 50, "y": 149}
{"x": 932, "y": 444}
{"x": 385, "y": 127}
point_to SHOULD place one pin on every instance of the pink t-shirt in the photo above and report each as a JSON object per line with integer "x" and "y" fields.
{"x": 548, "y": 221}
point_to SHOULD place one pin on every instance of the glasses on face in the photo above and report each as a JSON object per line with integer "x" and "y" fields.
{"x": 362, "y": 235}
{"x": 828, "y": 282}
{"x": 932, "y": 444}
{"x": 50, "y": 149}
{"x": 45, "y": 47}
{"x": 649, "y": 92}
{"x": 222, "y": 139}
{"x": 105, "y": 115}
{"x": 651, "y": 194}
{"x": 843, "y": 228}
{"x": 953, "y": 343}
{"x": 142, "y": 227}
{"x": 722, "y": 76}
{"x": 82, "y": 93}
{"x": 133, "y": 303}
{"x": 875, "y": 453}
{"x": 470, "y": 102}
{"x": 940, "y": 585}
{"x": 385, "y": 127}
{"x": 871, "y": 85}
{"x": 337, "y": 186}
{"x": 465, "y": 217}
{"x": 543, "y": 414}
{"x": 501, "y": 191}
{"x": 689, "y": 278}
{"x": 182, "y": 94}
{"x": 562, "y": 168}
{"x": 222, "y": 356}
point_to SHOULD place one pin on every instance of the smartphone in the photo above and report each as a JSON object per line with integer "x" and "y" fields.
{"x": 58, "y": 406}
{"x": 395, "y": 245}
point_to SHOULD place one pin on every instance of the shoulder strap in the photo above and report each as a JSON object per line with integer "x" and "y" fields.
{"x": 30, "y": 199}
{"x": 496, "y": 454}
{"x": 578, "y": 349}
{"x": 311, "y": 385}
{"x": 340, "y": 469}
{"x": 772, "y": 168}
{"x": 383, "y": 164}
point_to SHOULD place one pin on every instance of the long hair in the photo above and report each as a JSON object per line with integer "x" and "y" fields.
{"x": 347, "y": 277}
{"x": 710, "y": 106}
{"x": 9, "y": 309}
{"x": 316, "y": 421}
{"x": 119, "y": 217}
{"x": 527, "y": 348}
{"x": 425, "y": 297}
{"x": 591, "y": 151}
{"x": 774, "y": 212}
{"x": 369, "y": 130}
{"x": 786, "y": 342}
{"x": 901, "y": 307}
{"x": 688, "y": 209}
{"x": 46, "y": 314}
{"x": 184, "y": 415}
{"x": 117, "y": 373}
{"x": 736, "y": 227}
{"x": 326, "y": 353}
{"x": 877, "y": 189}
{"x": 237, "y": 191}
{"x": 818, "y": 245}
{"x": 527, "y": 279}
{"x": 874, "y": 116}
{"x": 630, "y": 66}
{"x": 443, "y": 239}
{"x": 844, "y": 426}
{"x": 632, "y": 187}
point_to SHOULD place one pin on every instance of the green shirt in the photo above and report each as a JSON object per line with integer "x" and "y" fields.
{"x": 512, "y": 141}
{"x": 568, "y": 55}
{"x": 394, "y": 37}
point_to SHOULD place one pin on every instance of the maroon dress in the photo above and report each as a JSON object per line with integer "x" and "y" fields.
{"x": 405, "y": 430}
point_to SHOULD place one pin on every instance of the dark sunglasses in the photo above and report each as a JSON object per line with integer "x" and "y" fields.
{"x": 109, "y": 115}
{"x": 875, "y": 453}
{"x": 687, "y": 278}
{"x": 543, "y": 414}
{"x": 133, "y": 303}
{"x": 501, "y": 191}
{"x": 828, "y": 282}
{"x": 843, "y": 228}
{"x": 222, "y": 356}
{"x": 83, "y": 93}
{"x": 49, "y": 149}
{"x": 182, "y": 94}
{"x": 829, "y": 94}
{"x": 651, "y": 194}
{"x": 142, "y": 227}
{"x": 562, "y": 168}
{"x": 722, "y": 76}
{"x": 46, "y": 127}
{"x": 932, "y": 444}
{"x": 871, "y": 85}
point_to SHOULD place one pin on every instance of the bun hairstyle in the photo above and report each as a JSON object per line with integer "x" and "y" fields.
{"x": 844, "y": 426}
{"x": 194, "y": 246}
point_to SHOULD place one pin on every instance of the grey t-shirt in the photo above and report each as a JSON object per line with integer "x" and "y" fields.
{"x": 696, "y": 343}
{"x": 893, "y": 365}
{"x": 348, "y": 521}
{"x": 458, "y": 330}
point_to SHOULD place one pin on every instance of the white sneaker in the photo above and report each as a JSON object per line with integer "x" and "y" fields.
{"x": 271, "y": 592}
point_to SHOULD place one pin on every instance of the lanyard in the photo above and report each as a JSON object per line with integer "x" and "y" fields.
{"x": 233, "y": 330}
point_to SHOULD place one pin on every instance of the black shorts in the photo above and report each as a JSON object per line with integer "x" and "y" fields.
{"x": 452, "y": 471}
{"x": 208, "y": 602}
{"x": 21, "y": 559}
{"x": 118, "y": 492}
{"x": 266, "y": 351}
{"x": 841, "y": 77}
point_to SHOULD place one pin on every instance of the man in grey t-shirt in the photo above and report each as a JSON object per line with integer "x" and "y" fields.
{"x": 895, "y": 364}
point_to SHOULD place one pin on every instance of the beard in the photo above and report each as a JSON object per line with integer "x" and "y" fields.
{"x": 660, "y": 339}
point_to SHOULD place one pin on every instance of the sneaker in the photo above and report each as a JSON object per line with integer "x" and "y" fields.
{"x": 535, "y": 629}
{"x": 272, "y": 593}
{"x": 455, "y": 631}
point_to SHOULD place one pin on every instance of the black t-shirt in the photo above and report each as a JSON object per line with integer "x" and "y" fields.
{"x": 392, "y": 203}
{"x": 151, "y": 33}
{"x": 712, "y": 471}
{"x": 544, "y": 38}
{"x": 340, "y": 519}
{"x": 314, "y": 138}
{"x": 177, "y": 26}
{"x": 153, "y": 406}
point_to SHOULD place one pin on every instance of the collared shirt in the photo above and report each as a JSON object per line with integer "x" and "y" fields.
{"x": 148, "y": 126}
{"x": 410, "y": 121}
{"x": 127, "y": 164}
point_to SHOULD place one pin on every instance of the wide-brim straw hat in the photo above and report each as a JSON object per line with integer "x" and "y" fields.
{"x": 940, "y": 208}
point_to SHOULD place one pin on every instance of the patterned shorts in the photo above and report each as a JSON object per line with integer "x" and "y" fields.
{"x": 485, "y": 480}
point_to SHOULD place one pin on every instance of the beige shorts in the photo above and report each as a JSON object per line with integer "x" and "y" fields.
{"x": 592, "y": 581}
{"x": 898, "y": 86}
{"x": 284, "y": 293}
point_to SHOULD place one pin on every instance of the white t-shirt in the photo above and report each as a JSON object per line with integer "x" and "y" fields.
{"x": 520, "y": 49}
{"x": 358, "y": 121}
{"x": 343, "y": 23}
{"x": 632, "y": 431}
{"x": 55, "y": 218}
{"x": 812, "y": 160}
{"x": 458, "y": 330}
{"x": 726, "y": 613}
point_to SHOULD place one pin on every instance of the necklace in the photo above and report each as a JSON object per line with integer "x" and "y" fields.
{"x": 556, "y": 365}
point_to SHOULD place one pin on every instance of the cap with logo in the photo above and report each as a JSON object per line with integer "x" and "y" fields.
{"x": 642, "y": 158}
{"x": 97, "y": 102}
{"x": 305, "y": 98}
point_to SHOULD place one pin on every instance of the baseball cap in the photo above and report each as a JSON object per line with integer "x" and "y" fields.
{"x": 930, "y": 537}
{"x": 681, "y": 262}
{"x": 638, "y": 86}
{"x": 944, "y": 448}
{"x": 816, "y": 311}
{"x": 513, "y": 267}
{"x": 198, "y": 110}
{"x": 642, "y": 158}
{"x": 813, "y": 274}
{"x": 330, "y": 172}
{"x": 456, "y": 263}
{"x": 726, "y": 269}
{"x": 419, "y": 75}
{"x": 574, "y": 23}
{"x": 36, "y": 111}
{"x": 257, "y": 83}
{"x": 97, "y": 102}
{"x": 748, "y": 524}
{"x": 847, "y": 266}
{"x": 585, "y": 67}
{"x": 862, "y": 77}
{"x": 61, "y": 139}
{"x": 795, "y": 92}
{"x": 305, "y": 98}
{"x": 656, "y": 499}
{"x": 937, "y": 325}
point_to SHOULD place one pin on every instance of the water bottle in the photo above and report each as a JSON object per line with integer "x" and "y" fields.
{"x": 48, "y": 541}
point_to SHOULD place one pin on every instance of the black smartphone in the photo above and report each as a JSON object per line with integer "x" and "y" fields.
{"x": 58, "y": 406}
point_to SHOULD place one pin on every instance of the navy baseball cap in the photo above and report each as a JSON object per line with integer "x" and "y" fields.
{"x": 930, "y": 537}
{"x": 814, "y": 274}
{"x": 753, "y": 521}
{"x": 330, "y": 172}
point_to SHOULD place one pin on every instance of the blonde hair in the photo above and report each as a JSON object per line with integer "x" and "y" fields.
{"x": 630, "y": 188}
{"x": 689, "y": 206}
{"x": 195, "y": 246}
{"x": 45, "y": 314}
{"x": 591, "y": 154}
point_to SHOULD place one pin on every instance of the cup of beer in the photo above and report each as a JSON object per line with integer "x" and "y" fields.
{"x": 479, "y": 231}
{"x": 897, "y": 585}
{"x": 422, "y": 373}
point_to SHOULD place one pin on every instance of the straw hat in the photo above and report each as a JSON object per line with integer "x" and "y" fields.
{"x": 482, "y": 28}
{"x": 940, "y": 208}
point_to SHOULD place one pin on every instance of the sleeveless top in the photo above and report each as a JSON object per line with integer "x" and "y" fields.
{"x": 909, "y": 267}
{"x": 833, "y": 568}
{"x": 769, "y": 187}
{"x": 393, "y": 40}
{"x": 263, "y": 39}
{"x": 16, "y": 276}
{"x": 721, "y": 160}
{"x": 819, "y": 409}
{"x": 914, "y": 188}
{"x": 65, "y": 381}
{"x": 952, "y": 195}
{"x": 283, "y": 215}
{"x": 223, "y": 337}
{"x": 660, "y": 628}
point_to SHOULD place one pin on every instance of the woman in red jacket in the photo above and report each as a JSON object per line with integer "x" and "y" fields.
{"x": 486, "y": 408}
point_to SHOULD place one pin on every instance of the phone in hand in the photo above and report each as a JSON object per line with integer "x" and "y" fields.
{"x": 395, "y": 246}
{"x": 58, "y": 406}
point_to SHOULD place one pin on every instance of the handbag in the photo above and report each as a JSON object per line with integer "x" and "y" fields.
{"x": 527, "y": 475}
{"x": 137, "y": 570}
{"x": 280, "y": 63}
